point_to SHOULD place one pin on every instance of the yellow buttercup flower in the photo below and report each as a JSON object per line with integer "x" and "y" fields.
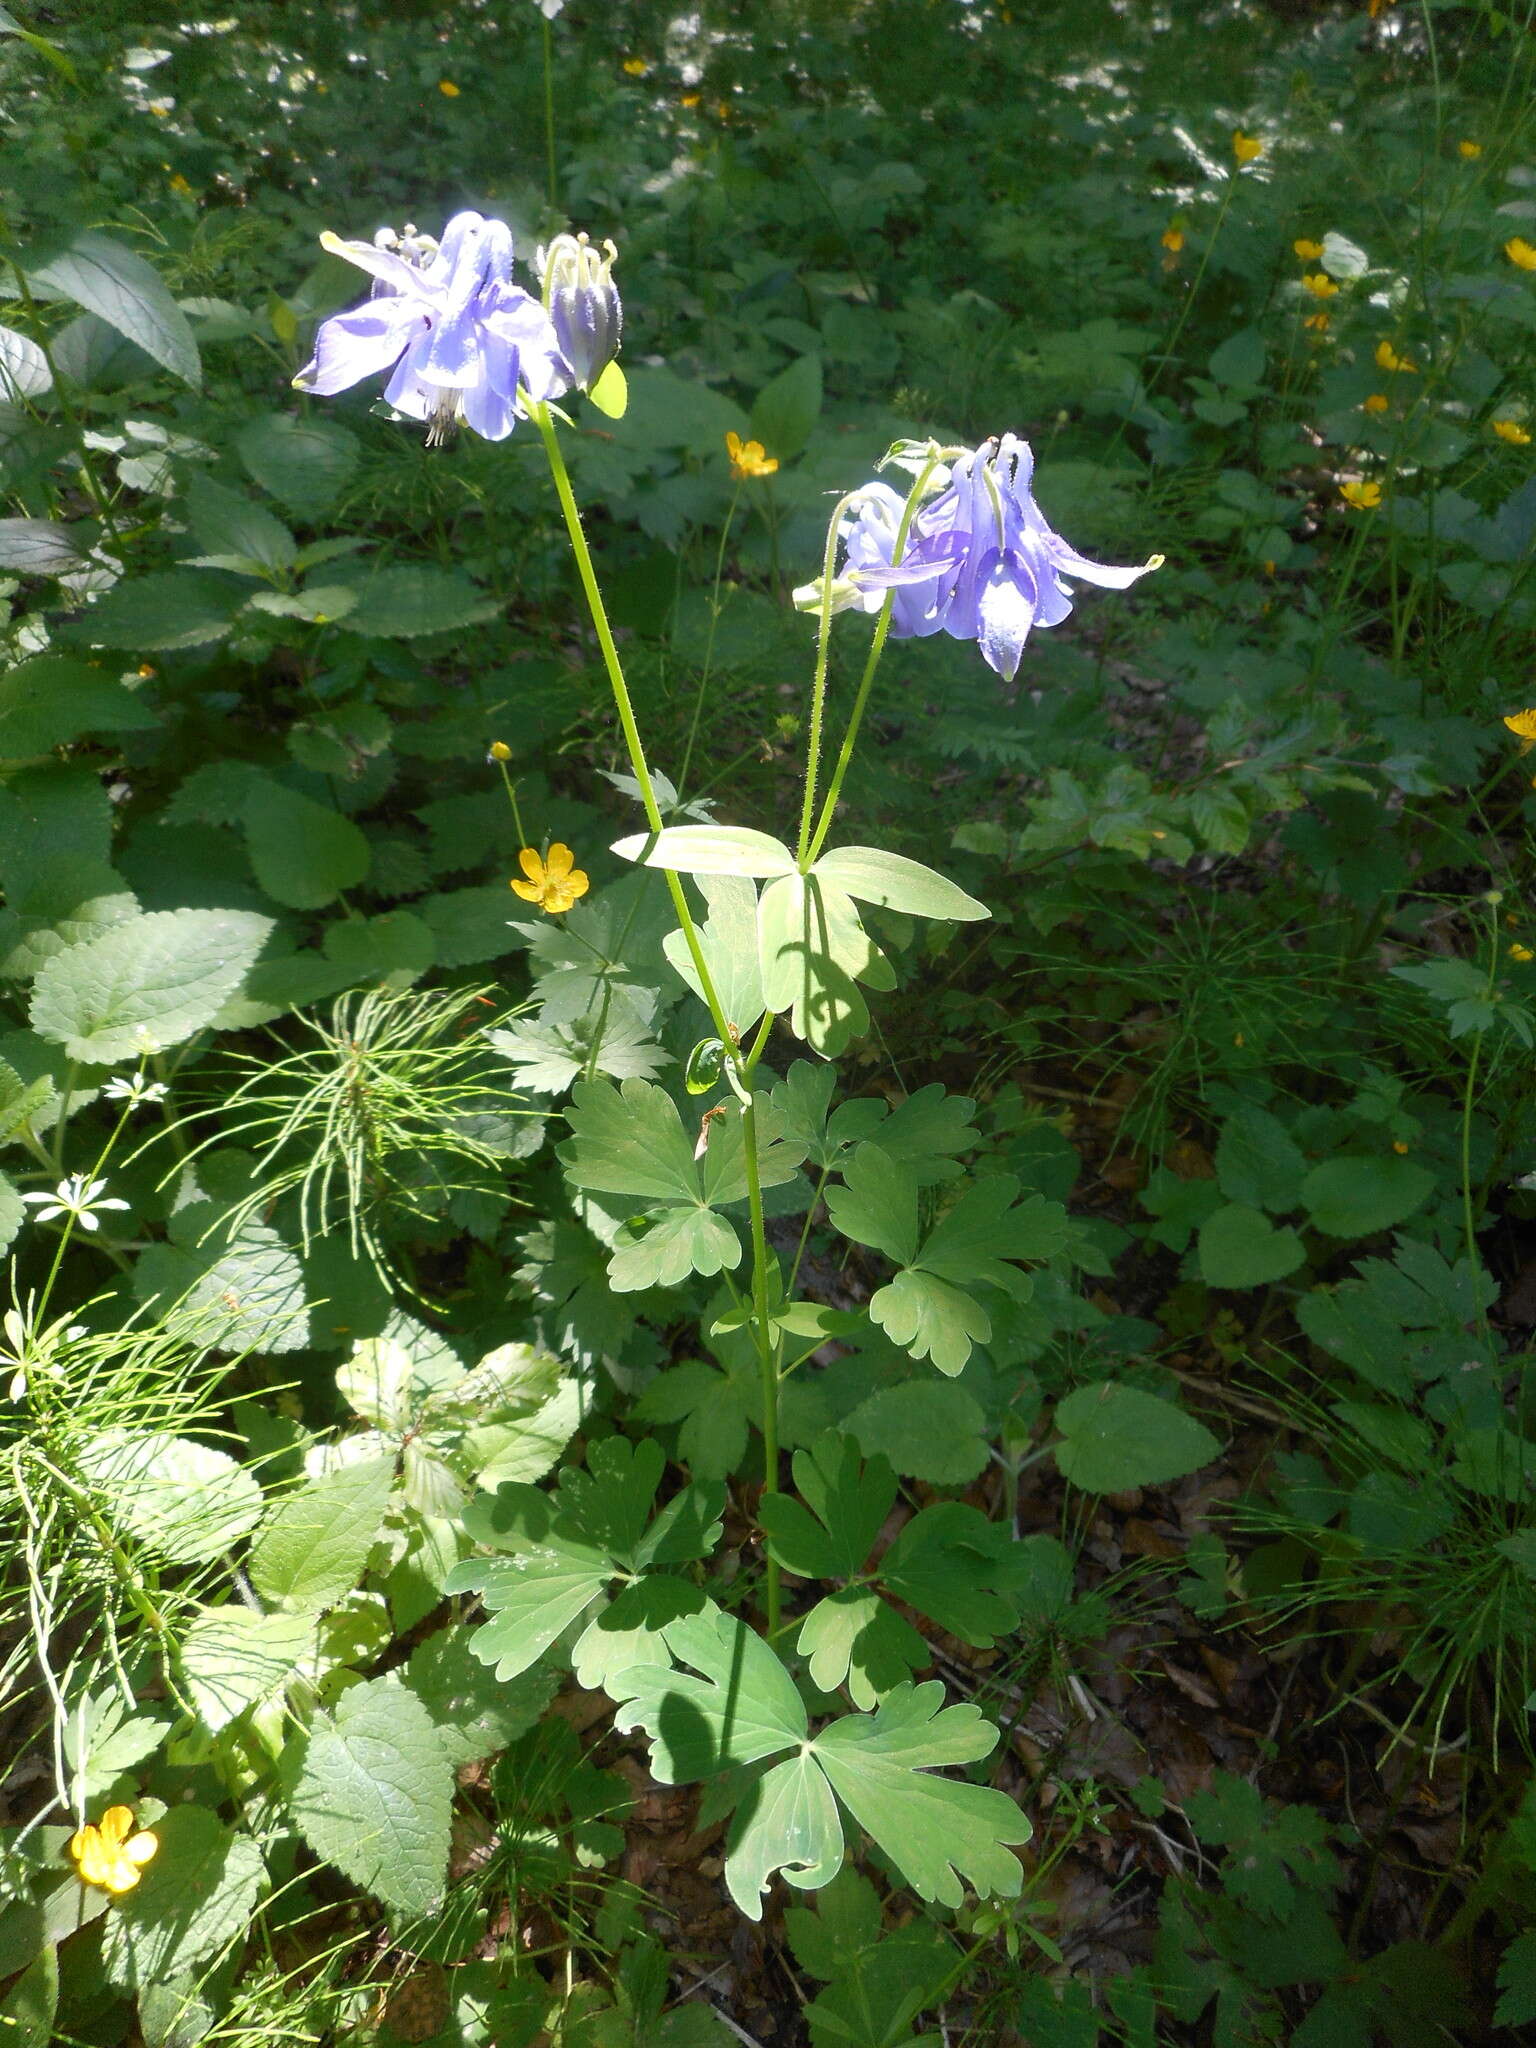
{"x": 499, "y": 751}
{"x": 1320, "y": 284}
{"x": 690, "y": 99}
{"x": 1173, "y": 239}
{"x": 1400, "y": 1147}
{"x": 1387, "y": 358}
{"x": 1246, "y": 147}
{"x": 1513, "y": 432}
{"x": 1469, "y": 150}
{"x": 749, "y": 458}
{"x": 1523, "y": 725}
{"x": 110, "y": 1855}
{"x": 1521, "y": 953}
{"x": 1318, "y": 322}
{"x": 179, "y": 184}
{"x": 1363, "y": 497}
{"x": 636, "y": 66}
{"x": 447, "y": 88}
{"x": 1308, "y": 251}
{"x": 1519, "y": 251}
{"x": 554, "y": 881}
{"x": 1377, "y": 402}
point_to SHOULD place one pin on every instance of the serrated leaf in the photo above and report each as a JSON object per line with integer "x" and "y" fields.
{"x": 304, "y": 463}
{"x": 404, "y": 600}
{"x": 168, "y": 609}
{"x": 38, "y": 547}
{"x": 896, "y": 883}
{"x": 1258, "y": 1163}
{"x": 51, "y": 699}
{"x": 1240, "y": 1247}
{"x": 102, "y": 1739}
{"x": 1358, "y": 1197}
{"x": 194, "y": 1899}
{"x": 232, "y": 1658}
{"x": 224, "y": 522}
{"x": 315, "y": 1542}
{"x": 149, "y": 983}
{"x": 1115, "y": 1437}
{"x": 184, "y": 1501}
{"x": 549, "y": 1058}
{"x": 24, "y": 371}
{"x": 787, "y": 408}
{"x": 475, "y": 1712}
{"x": 375, "y": 1793}
{"x": 304, "y": 853}
{"x": 709, "y": 850}
{"x": 232, "y": 1289}
{"x": 106, "y": 279}
{"x": 13, "y": 1211}
{"x": 64, "y": 901}
{"x": 925, "y": 1428}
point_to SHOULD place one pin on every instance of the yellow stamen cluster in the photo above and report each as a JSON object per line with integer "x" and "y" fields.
{"x": 1521, "y": 253}
{"x": 1320, "y": 284}
{"x": 1308, "y": 251}
{"x": 1377, "y": 402}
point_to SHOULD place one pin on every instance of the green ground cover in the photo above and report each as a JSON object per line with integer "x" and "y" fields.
{"x": 891, "y": 1406}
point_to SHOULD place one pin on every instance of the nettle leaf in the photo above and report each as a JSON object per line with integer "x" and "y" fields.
{"x": 927, "y": 1307}
{"x": 194, "y": 1899}
{"x": 709, "y": 850}
{"x": 232, "y": 1658}
{"x": 787, "y": 408}
{"x": 234, "y": 1285}
{"x": 1357, "y": 1197}
{"x": 170, "y": 608}
{"x": 1239, "y": 1247}
{"x": 146, "y": 984}
{"x": 24, "y": 371}
{"x": 895, "y": 883}
{"x": 374, "y": 1795}
{"x": 315, "y": 1542}
{"x": 733, "y": 1705}
{"x": 1115, "y": 1437}
{"x": 926, "y": 1428}
{"x": 475, "y": 1712}
{"x": 1258, "y": 1162}
{"x": 106, "y": 279}
{"x": 304, "y": 463}
{"x": 38, "y": 547}
{"x": 728, "y": 941}
{"x": 67, "y": 899}
{"x": 52, "y": 698}
{"x": 305, "y": 854}
{"x": 224, "y": 522}
{"x": 184, "y": 1501}
{"x": 561, "y": 1551}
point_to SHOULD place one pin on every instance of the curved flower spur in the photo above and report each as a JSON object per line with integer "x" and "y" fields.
{"x": 980, "y": 563}
{"x": 463, "y": 343}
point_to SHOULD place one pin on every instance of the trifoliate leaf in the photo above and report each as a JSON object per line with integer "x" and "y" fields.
{"x": 1116, "y": 1437}
{"x": 375, "y": 1793}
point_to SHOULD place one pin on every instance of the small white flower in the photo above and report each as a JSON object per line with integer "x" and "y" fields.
{"x": 549, "y": 8}
{"x": 133, "y": 1088}
{"x": 74, "y": 1196}
{"x": 34, "y": 1352}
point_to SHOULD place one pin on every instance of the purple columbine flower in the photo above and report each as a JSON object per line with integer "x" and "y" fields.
{"x": 461, "y": 340}
{"x": 980, "y": 562}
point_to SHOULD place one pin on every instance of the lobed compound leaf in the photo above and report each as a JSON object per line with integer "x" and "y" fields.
{"x": 629, "y": 1141}
{"x": 877, "y": 1204}
{"x": 728, "y": 941}
{"x": 709, "y": 850}
{"x": 931, "y": 1318}
{"x": 736, "y": 1705}
{"x": 845, "y": 1504}
{"x": 787, "y": 1823}
{"x": 374, "y": 1795}
{"x": 895, "y": 883}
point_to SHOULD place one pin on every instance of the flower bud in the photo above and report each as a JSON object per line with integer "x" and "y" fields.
{"x": 500, "y": 751}
{"x": 583, "y": 304}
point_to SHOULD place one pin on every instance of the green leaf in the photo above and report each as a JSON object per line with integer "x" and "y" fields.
{"x": 667, "y": 1249}
{"x": 1258, "y": 1163}
{"x": 715, "y": 1411}
{"x": 610, "y": 393}
{"x": 709, "y": 850}
{"x": 38, "y": 547}
{"x": 24, "y": 371}
{"x": 475, "y": 1712}
{"x": 51, "y": 699}
{"x": 375, "y": 1794}
{"x": 315, "y": 1542}
{"x": 102, "y": 1740}
{"x": 305, "y": 854}
{"x": 13, "y": 1213}
{"x": 194, "y": 1899}
{"x": 1239, "y": 1247}
{"x": 225, "y": 523}
{"x": 742, "y": 1706}
{"x": 629, "y": 1141}
{"x": 531, "y": 1598}
{"x": 1517, "y": 1982}
{"x": 927, "y": 1430}
{"x": 548, "y": 1058}
{"x": 232, "y": 1658}
{"x": 1358, "y": 1197}
{"x": 931, "y": 1318}
{"x": 106, "y": 279}
{"x": 404, "y": 600}
{"x": 935, "y": 1832}
{"x": 877, "y": 1204}
{"x": 171, "y": 608}
{"x": 1115, "y": 1437}
{"x": 305, "y": 464}
{"x": 844, "y": 1508}
{"x": 65, "y": 900}
{"x": 895, "y": 883}
{"x": 728, "y": 940}
{"x": 813, "y": 950}
{"x": 234, "y": 1283}
{"x": 30, "y": 2007}
{"x": 149, "y": 983}
{"x": 184, "y": 1501}
{"x": 787, "y": 408}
